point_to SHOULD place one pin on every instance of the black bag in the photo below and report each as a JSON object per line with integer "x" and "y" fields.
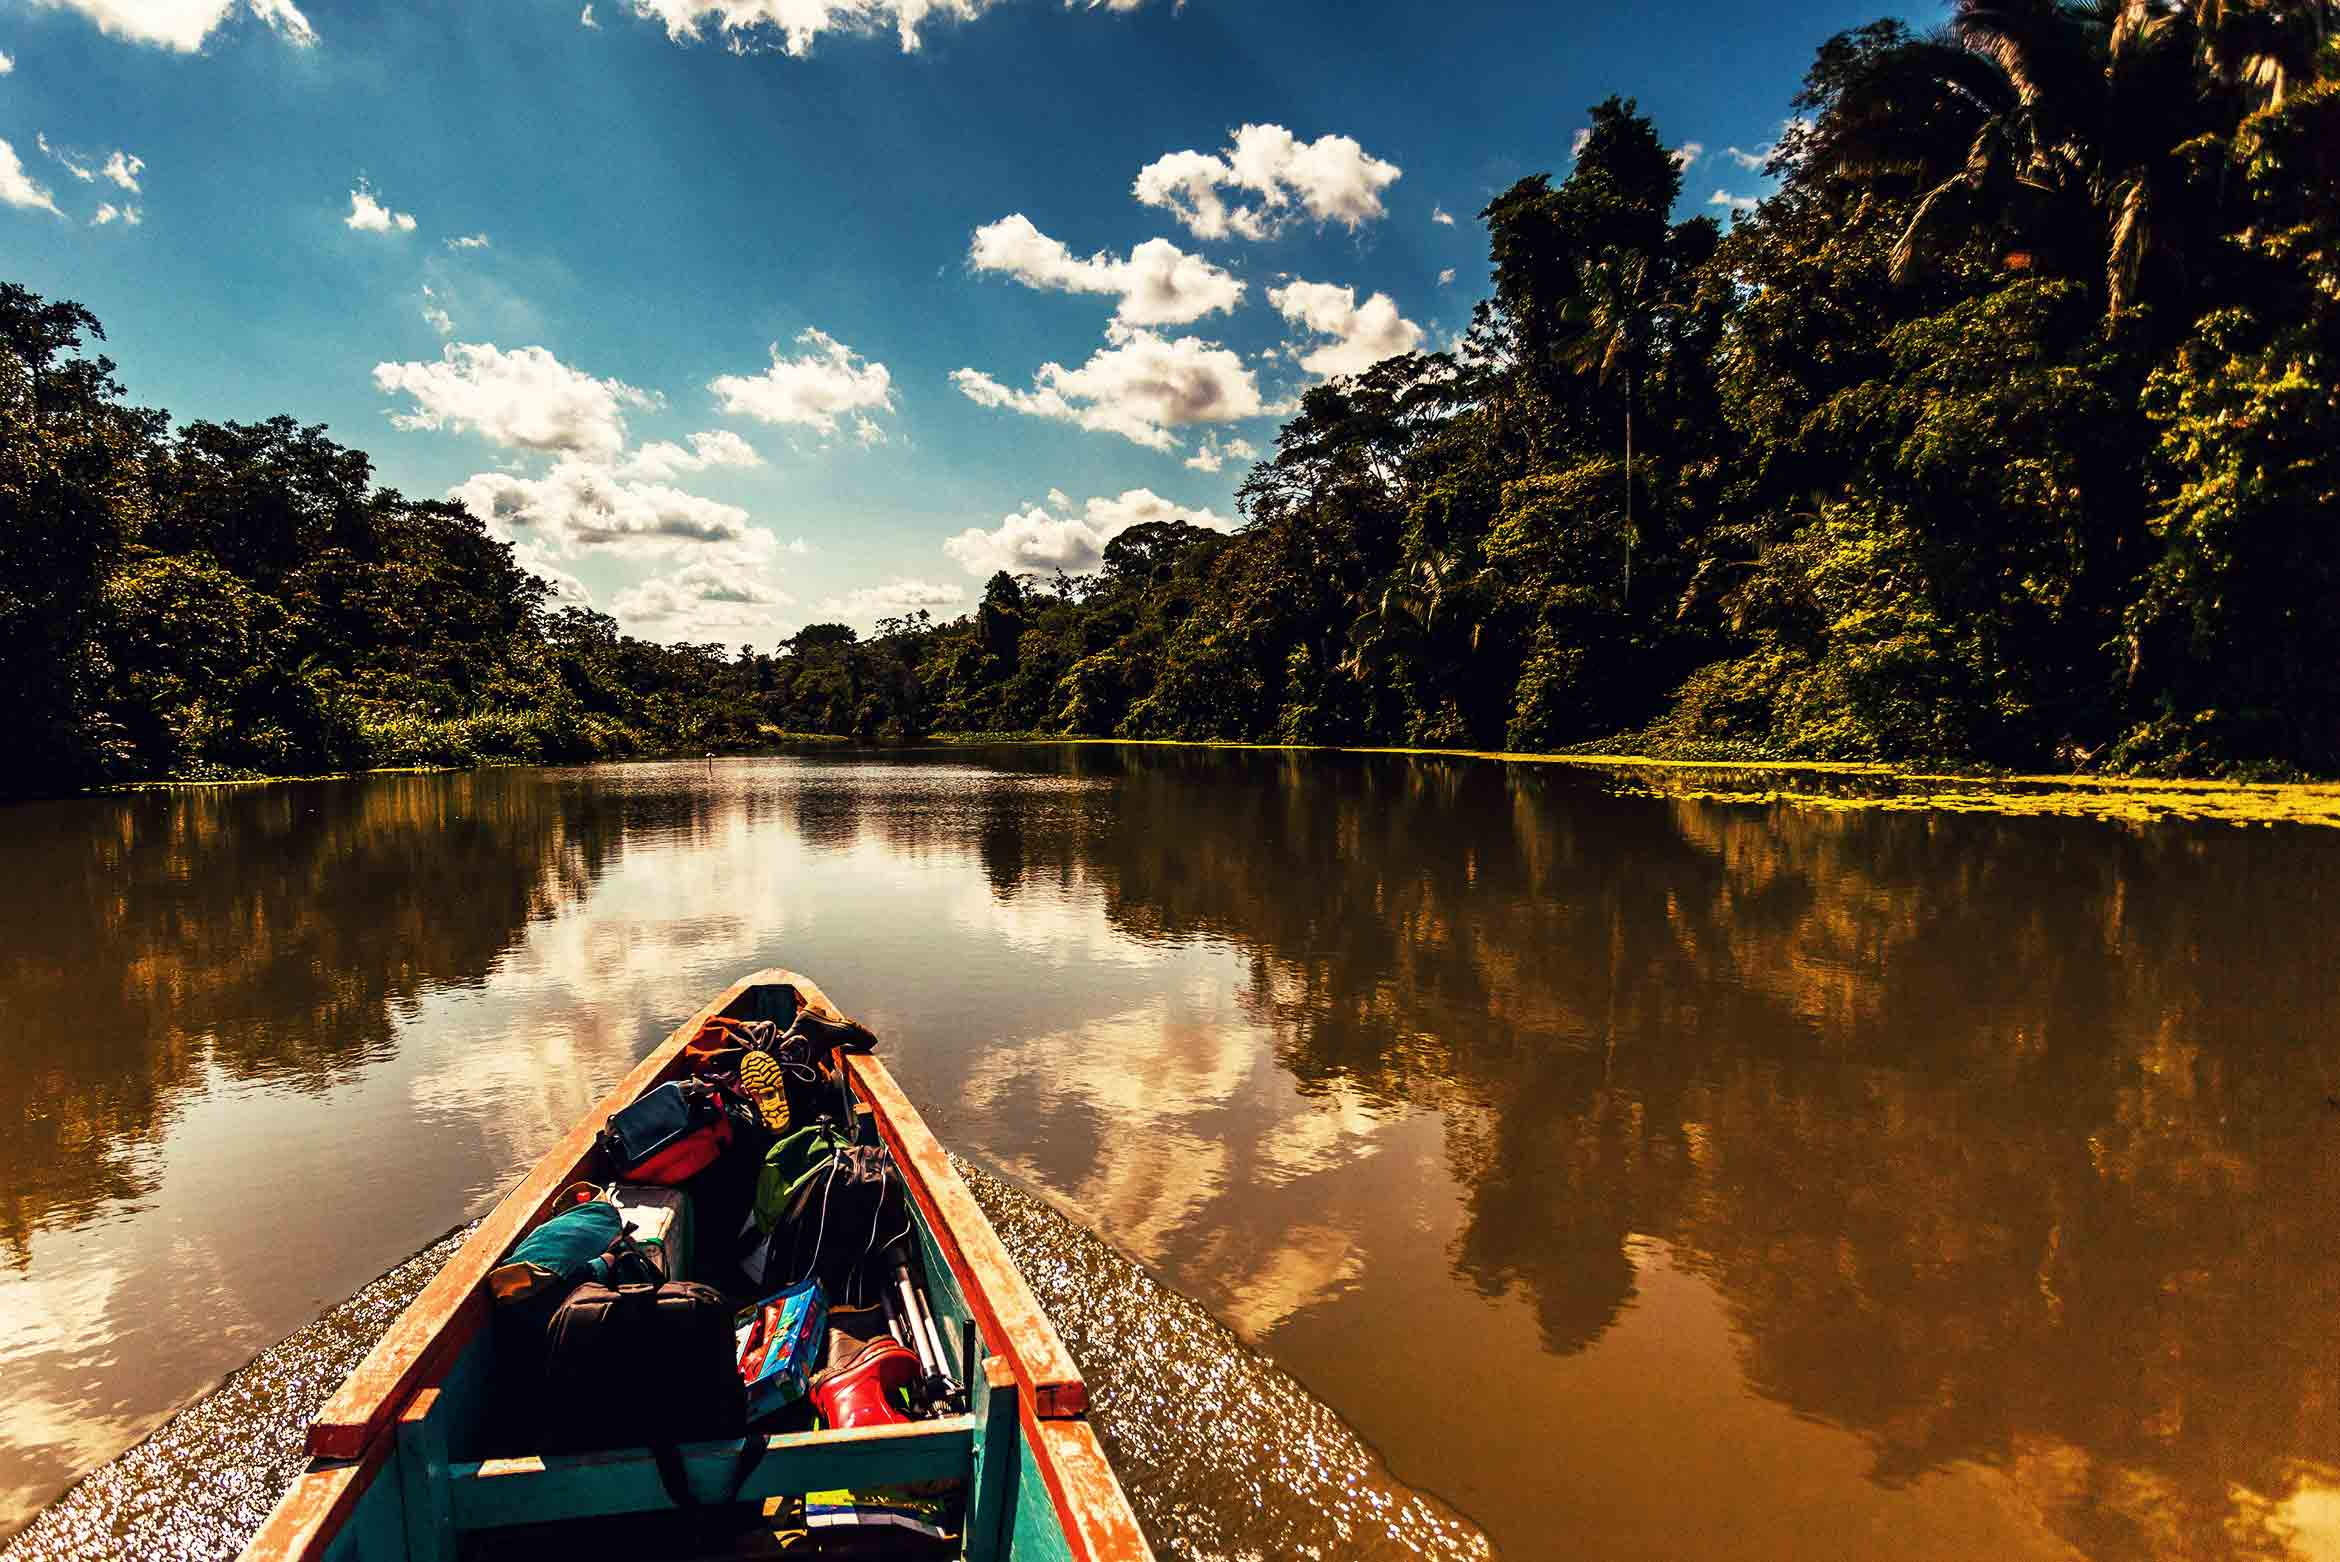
{"x": 668, "y": 1136}
{"x": 846, "y": 1210}
{"x": 646, "y": 1365}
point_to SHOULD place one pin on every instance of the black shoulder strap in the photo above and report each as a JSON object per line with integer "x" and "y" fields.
{"x": 675, "y": 1479}
{"x": 627, "y": 1261}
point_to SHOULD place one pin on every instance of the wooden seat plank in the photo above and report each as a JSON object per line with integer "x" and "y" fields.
{"x": 541, "y": 1489}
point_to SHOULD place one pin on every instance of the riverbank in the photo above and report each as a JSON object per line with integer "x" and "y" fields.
{"x": 1840, "y": 784}
{"x": 777, "y": 742}
{"x": 1861, "y": 784}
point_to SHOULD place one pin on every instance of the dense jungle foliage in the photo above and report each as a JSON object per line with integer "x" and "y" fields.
{"x": 2006, "y": 431}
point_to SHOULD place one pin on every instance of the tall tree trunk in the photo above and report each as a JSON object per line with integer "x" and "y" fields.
{"x": 1625, "y": 593}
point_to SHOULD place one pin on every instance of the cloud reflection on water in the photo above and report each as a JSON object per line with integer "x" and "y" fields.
{"x": 1953, "y": 1182}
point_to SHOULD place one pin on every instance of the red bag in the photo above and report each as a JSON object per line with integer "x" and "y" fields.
{"x": 717, "y": 1048}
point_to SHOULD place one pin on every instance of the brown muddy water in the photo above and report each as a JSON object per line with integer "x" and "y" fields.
{"x": 1641, "y": 1175}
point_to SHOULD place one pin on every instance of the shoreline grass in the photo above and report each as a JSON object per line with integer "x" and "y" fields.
{"x": 1846, "y": 785}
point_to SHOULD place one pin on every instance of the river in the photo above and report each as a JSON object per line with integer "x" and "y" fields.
{"x": 1640, "y": 1175}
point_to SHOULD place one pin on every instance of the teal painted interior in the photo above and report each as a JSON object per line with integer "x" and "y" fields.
{"x": 599, "y": 1485}
{"x": 1037, "y": 1536}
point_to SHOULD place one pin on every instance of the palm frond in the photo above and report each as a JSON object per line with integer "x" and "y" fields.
{"x": 2132, "y": 237}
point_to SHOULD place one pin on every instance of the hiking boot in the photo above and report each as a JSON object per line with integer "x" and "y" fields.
{"x": 762, "y": 1082}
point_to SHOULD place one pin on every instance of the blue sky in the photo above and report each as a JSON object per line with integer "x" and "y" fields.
{"x": 767, "y": 224}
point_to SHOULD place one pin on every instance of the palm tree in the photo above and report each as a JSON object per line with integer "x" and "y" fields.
{"x": 1401, "y": 624}
{"x": 2262, "y": 50}
{"x": 2055, "y": 122}
{"x": 1611, "y": 316}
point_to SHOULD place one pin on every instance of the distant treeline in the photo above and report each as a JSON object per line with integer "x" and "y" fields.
{"x": 2006, "y": 432}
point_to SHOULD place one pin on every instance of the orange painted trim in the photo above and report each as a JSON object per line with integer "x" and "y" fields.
{"x": 1094, "y": 1511}
{"x": 1012, "y": 1321}
{"x": 399, "y": 1376}
{"x": 454, "y": 1305}
{"x": 313, "y": 1509}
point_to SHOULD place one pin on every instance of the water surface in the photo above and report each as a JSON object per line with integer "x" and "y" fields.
{"x": 1639, "y": 1174}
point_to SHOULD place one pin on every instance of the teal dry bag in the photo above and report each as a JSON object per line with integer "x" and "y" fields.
{"x": 560, "y": 1253}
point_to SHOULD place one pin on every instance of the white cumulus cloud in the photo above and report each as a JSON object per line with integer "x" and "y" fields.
{"x": 811, "y": 390}
{"x": 184, "y": 24}
{"x": 1362, "y": 334}
{"x": 1216, "y": 453}
{"x": 7, "y": 62}
{"x": 585, "y": 19}
{"x": 1140, "y": 386}
{"x": 1576, "y": 142}
{"x": 127, "y": 216}
{"x": 1687, "y": 153}
{"x": 1159, "y": 284}
{"x": 723, "y": 590}
{"x": 18, "y": 188}
{"x": 434, "y": 314}
{"x": 1331, "y": 179}
{"x": 1733, "y": 203}
{"x": 664, "y": 458}
{"x": 368, "y": 215}
{"x": 1441, "y": 216}
{"x": 468, "y": 241}
{"x": 123, "y": 169}
{"x": 537, "y": 559}
{"x": 582, "y": 505}
{"x": 1039, "y": 540}
{"x": 1756, "y": 160}
{"x": 1446, "y": 277}
{"x": 903, "y": 594}
{"x": 525, "y": 398}
{"x": 745, "y": 24}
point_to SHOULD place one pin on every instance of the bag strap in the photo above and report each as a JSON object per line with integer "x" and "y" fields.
{"x": 675, "y": 1479}
{"x": 626, "y": 1251}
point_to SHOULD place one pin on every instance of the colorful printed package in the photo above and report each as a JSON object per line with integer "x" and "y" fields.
{"x": 777, "y": 1338}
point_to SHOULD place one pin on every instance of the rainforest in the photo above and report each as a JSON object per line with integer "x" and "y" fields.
{"x": 2005, "y": 433}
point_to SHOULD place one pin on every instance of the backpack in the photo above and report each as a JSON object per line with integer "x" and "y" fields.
{"x": 668, "y": 1136}
{"x": 822, "y": 1207}
{"x": 641, "y": 1364}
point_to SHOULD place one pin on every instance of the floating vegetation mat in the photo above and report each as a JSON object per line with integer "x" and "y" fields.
{"x": 2070, "y": 797}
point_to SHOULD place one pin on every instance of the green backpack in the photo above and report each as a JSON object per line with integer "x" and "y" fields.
{"x": 824, "y": 1206}
{"x": 790, "y": 1167}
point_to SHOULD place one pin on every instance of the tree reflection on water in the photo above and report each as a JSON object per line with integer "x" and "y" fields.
{"x": 2005, "y": 1140}
{"x": 1992, "y": 1155}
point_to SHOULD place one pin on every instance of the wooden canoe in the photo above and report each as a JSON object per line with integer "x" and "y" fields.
{"x": 396, "y": 1468}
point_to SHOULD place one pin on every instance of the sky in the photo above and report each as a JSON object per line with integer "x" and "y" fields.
{"x": 737, "y": 315}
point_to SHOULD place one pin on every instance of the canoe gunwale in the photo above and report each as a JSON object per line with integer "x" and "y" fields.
{"x": 1002, "y": 1301}
{"x": 389, "y": 1395}
{"x": 454, "y": 1306}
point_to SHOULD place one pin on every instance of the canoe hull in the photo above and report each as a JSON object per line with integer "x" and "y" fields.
{"x": 396, "y": 1472}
